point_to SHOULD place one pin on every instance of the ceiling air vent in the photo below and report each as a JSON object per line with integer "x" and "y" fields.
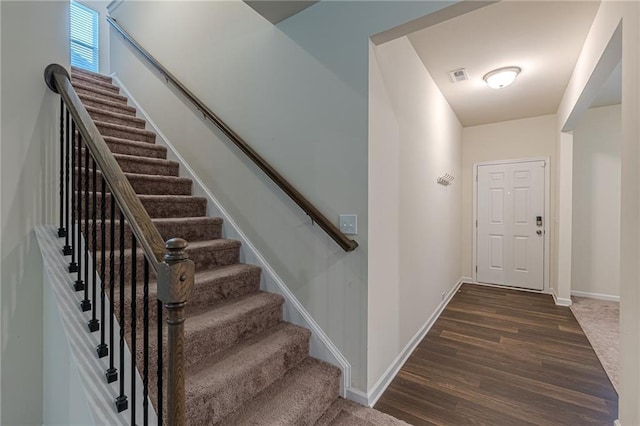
{"x": 459, "y": 75}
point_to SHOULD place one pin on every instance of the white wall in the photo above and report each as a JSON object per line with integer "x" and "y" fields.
{"x": 34, "y": 34}
{"x": 414, "y": 222}
{"x": 595, "y": 266}
{"x": 384, "y": 227}
{"x": 507, "y": 140}
{"x": 297, "y": 92}
{"x": 607, "y": 21}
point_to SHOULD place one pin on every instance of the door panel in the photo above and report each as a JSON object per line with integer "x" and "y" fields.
{"x": 509, "y": 249}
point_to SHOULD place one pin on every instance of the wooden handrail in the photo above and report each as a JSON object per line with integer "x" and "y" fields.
{"x": 148, "y": 236}
{"x": 315, "y": 214}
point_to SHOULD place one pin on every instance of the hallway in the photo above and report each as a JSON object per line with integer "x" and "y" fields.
{"x": 502, "y": 357}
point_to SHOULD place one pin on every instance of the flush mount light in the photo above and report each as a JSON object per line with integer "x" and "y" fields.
{"x": 502, "y": 77}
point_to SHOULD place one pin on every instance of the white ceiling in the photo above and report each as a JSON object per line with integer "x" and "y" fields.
{"x": 544, "y": 38}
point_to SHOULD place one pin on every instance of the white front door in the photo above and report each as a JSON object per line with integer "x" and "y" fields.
{"x": 511, "y": 224}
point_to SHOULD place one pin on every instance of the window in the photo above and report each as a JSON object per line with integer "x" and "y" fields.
{"x": 84, "y": 37}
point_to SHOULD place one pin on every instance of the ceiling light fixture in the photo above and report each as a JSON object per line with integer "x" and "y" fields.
{"x": 502, "y": 77}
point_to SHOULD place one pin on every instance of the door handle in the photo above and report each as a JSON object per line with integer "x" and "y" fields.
{"x": 539, "y": 232}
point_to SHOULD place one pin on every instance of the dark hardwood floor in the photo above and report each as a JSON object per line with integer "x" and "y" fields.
{"x": 502, "y": 357}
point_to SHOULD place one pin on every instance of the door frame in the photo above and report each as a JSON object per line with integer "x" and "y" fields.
{"x": 548, "y": 219}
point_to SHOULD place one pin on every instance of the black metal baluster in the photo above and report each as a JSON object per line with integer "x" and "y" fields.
{"x": 85, "y": 304}
{"x": 73, "y": 266}
{"x": 121, "y": 400}
{"x": 160, "y": 366}
{"x": 145, "y": 349}
{"x": 62, "y": 232}
{"x": 133, "y": 318}
{"x": 67, "y": 248}
{"x": 112, "y": 372}
{"x": 79, "y": 284}
{"x": 102, "y": 349}
{"x": 94, "y": 324}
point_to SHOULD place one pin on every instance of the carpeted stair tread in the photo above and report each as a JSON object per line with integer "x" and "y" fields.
{"x": 174, "y": 205}
{"x": 105, "y": 104}
{"x": 99, "y": 114}
{"x": 150, "y": 184}
{"x": 144, "y": 165}
{"x": 137, "y": 148}
{"x": 125, "y": 132}
{"x": 230, "y": 323}
{"x": 225, "y": 381}
{"x": 192, "y": 229}
{"x": 158, "y": 206}
{"x": 211, "y": 287}
{"x": 215, "y": 285}
{"x": 95, "y": 75}
{"x": 90, "y": 90}
{"x": 205, "y": 254}
{"x": 346, "y": 413}
{"x": 299, "y": 398}
{"x": 90, "y": 81}
{"x": 147, "y": 165}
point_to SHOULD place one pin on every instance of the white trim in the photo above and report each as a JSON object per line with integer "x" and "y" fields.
{"x": 547, "y": 214}
{"x": 509, "y": 287}
{"x": 113, "y": 5}
{"x": 561, "y": 301}
{"x": 358, "y": 396}
{"x": 321, "y": 347}
{"x": 616, "y": 422}
{"x": 599, "y": 296}
{"x": 376, "y": 391}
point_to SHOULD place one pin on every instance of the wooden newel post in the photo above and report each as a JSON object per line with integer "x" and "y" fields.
{"x": 175, "y": 279}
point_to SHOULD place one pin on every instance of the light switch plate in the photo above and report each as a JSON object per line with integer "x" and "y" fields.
{"x": 349, "y": 224}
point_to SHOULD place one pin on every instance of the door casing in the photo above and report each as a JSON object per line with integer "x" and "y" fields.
{"x": 548, "y": 219}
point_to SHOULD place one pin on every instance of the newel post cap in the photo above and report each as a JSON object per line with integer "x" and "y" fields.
{"x": 175, "y": 250}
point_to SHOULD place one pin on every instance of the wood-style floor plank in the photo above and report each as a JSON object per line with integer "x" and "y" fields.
{"x": 502, "y": 357}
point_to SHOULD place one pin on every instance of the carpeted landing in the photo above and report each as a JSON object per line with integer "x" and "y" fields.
{"x": 244, "y": 364}
{"x": 600, "y": 321}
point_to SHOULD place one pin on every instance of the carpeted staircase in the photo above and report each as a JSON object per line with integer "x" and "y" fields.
{"x": 244, "y": 364}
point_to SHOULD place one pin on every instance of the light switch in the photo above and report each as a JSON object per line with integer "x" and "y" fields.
{"x": 349, "y": 224}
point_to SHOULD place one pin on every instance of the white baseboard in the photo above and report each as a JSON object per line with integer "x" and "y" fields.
{"x": 384, "y": 381}
{"x": 321, "y": 347}
{"x": 617, "y": 423}
{"x": 596, "y": 296}
{"x": 560, "y": 301}
{"x": 358, "y": 396}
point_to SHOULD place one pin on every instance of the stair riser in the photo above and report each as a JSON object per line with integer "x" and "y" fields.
{"x": 145, "y": 186}
{"x": 201, "y": 344}
{"x": 189, "y": 207}
{"x": 213, "y": 407}
{"x": 124, "y": 121}
{"x": 106, "y": 105}
{"x": 99, "y": 84}
{"x": 89, "y": 74}
{"x": 139, "y": 149}
{"x": 204, "y": 294}
{"x": 203, "y": 257}
{"x": 191, "y": 232}
{"x": 112, "y": 97}
{"x": 139, "y": 166}
{"x": 126, "y": 134}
